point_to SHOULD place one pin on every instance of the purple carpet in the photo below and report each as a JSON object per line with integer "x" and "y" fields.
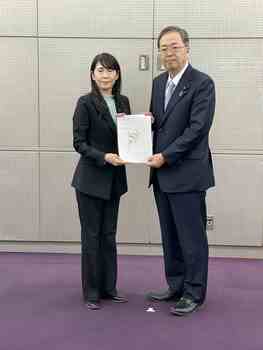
{"x": 41, "y": 307}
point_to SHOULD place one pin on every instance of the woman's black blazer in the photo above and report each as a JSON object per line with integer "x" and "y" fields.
{"x": 94, "y": 134}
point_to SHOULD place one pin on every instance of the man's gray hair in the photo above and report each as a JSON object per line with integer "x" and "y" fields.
{"x": 183, "y": 34}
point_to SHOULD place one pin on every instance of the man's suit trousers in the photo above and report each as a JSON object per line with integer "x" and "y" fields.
{"x": 183, "y": 227}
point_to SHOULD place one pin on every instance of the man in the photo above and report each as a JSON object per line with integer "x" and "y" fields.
{"x": 182, "y": 104}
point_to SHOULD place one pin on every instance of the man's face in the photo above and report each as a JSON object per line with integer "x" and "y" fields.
{"x": 174, "y": 54}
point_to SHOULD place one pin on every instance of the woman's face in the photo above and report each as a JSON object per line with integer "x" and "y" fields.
{"x": 105, "y": 78}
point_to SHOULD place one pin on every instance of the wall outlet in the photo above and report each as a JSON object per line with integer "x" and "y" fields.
{"x": 210, "y": 223}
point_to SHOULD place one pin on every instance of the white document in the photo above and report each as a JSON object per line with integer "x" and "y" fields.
{"x": 134, "y": 138}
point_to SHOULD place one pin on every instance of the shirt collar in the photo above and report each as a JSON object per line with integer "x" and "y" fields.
{"x": 178, "y": 76}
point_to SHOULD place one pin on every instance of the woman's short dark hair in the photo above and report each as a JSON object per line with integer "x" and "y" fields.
{"x": 109, "y": 62}
{"x": 182, "y": 32}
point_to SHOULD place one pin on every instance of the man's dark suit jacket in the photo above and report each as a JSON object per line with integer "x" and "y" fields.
{"x": 181, "y": 132}
{"x": 94, "y": 134}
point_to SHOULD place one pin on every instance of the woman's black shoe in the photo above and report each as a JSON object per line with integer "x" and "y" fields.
{"x": 91, "y": 305}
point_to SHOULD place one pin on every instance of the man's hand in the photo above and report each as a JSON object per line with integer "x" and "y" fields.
{"x": 113, "y": 159}
{"x": 149, "y": 114}
{"x": 156, "y": 161}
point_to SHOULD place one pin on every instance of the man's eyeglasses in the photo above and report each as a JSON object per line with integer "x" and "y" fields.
{"x": 172, "y": 48}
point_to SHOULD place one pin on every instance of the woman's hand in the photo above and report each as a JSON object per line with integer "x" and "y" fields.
{"x": 113, "y": 159}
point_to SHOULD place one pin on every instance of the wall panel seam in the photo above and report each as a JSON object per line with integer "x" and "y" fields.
{"x": 38, "y": 113}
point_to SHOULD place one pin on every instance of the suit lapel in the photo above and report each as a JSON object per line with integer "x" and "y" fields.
{"x": 179, "y": 93}
{"x": 161, "y": 90}
{"x": 103, "y": 112}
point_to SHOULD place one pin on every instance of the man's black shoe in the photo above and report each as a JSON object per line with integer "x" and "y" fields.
{"x": 163, "y": 296}
{"x": 184, "y": 307}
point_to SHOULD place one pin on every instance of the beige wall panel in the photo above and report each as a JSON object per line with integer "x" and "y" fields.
{"x": 64, "y": 76}
{"x": 236, "y": 201}
{"x": 96, "y": 18}
{"x": 19, "y": 196}
{"x": 18, "y": 86}
{"x": 58, "y": 210}
{"x": 235, "y": 66}
{"x": 18, "y": 17}
{"x": 206, "y": 18}
{"x": 138, "y": 221}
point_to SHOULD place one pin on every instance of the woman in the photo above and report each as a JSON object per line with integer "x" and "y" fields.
{"x": 99, "y": 179}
